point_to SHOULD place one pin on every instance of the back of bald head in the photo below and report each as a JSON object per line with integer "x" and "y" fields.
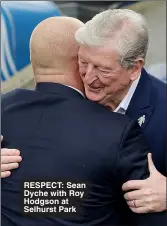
{"x": 53, "y": 45}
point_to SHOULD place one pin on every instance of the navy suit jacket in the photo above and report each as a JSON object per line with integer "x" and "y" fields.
{"x": 63, "y": 136}
{"x": 149, "y": 99}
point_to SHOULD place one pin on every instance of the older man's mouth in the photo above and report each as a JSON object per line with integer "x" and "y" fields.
{"x": 94, "y": 88}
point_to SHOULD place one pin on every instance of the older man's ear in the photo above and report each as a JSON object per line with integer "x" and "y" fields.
{"x": 10, "y": 159}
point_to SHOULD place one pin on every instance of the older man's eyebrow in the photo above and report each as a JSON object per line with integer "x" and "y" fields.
{"x": 104, "y": 67}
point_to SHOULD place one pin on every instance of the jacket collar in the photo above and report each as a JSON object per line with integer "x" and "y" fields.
{"x": 142, "y": 95}
{"x": 55, "y": 88}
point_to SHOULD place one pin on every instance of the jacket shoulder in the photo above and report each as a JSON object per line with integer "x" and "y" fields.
{"x": 13, "y": 93}
{"x": 158, "y": 88}
{"x": 158, "y": 96}
{"x": 14, "y": 96}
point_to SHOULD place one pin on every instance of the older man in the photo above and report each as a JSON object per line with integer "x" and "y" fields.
{"x": 113, "y": 48}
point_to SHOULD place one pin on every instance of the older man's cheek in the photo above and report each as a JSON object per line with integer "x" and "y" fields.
{"x": 82, "y": 73}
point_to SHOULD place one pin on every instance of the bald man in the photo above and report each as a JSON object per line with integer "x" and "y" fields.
{"x": 64, "y": 137}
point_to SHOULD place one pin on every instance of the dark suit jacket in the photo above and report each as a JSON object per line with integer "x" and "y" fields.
{"x": 63, "y": 136}
{"x": 149, "y": 99}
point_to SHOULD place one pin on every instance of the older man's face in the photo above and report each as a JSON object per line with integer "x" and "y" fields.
{"x": 103, "y": 77}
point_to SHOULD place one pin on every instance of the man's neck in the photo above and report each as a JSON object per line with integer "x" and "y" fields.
{"x": 113, "y": 101}
{"x": 71, "y": 80}
{"x": 122, "y": 103}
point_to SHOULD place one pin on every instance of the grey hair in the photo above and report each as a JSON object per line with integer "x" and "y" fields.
{"x": 126, "y": 28}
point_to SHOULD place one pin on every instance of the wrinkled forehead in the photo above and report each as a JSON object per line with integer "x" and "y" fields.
{"x": 98, "y": 55}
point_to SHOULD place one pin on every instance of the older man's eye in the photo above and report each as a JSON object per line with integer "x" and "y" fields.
{"x": 103, "y": 71}
{"x": 83, "y": 62}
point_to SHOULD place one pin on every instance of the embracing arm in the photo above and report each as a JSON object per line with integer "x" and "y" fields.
{"x": 149, "y": 195}
{"x": 132, "y": 164}
{"x": 10, "y": 159}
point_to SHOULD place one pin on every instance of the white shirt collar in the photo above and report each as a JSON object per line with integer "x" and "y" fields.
{"x": 123, "y": 106}
{"x": 77, "y": 91}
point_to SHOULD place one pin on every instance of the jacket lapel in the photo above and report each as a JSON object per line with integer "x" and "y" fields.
{"x": 140, "y": 105}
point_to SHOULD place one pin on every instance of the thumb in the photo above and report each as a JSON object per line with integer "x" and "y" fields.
{"x": 151, "y": 166}
{"x": 1, "y": 138}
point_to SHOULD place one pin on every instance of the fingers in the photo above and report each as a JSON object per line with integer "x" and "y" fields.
{"x": 10, "y": 156}
{"x": 133, "y": 195}
{"x": 135, "y": 203}
{"x": 5, "y": 174}
{"x": 140, "y": 210}
{"x": 9, "y": 152}
{"x": 10, "y": 159}
{"x": 1, "y": 138}
{"x": 9, "y": 166}
{"x": 133, "y": 184}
